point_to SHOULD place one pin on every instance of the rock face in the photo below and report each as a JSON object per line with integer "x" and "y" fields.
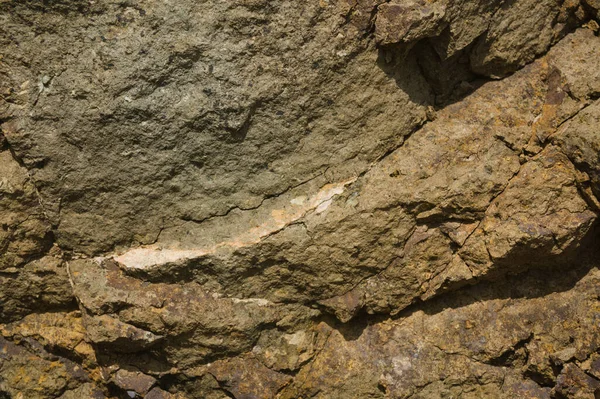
{"x": 337, "y": 199}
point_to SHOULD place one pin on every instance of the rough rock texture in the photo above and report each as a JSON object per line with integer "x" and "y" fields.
{"x": 332, "y": 199}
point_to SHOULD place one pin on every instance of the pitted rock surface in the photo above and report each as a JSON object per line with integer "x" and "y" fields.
{"x": 329, "y": 199}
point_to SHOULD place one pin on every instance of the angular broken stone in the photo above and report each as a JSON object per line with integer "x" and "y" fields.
{"x": 137, "y": 382}
{"x": 408, "y": 21}
{"x": 541, "y": 210}
{"x": 329, "y": 199}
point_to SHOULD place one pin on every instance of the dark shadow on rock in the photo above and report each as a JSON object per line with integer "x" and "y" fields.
{"x": 354, "y": 328}
{"x": 538, "y": 279}
{"x": 150, "y": 361}
{"x": 450, "y": 79}
{"x": 426, "y": 77}
{"x": 399, "y": 64}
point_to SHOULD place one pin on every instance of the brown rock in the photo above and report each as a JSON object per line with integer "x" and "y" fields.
{"x": 469, "y": 344}
{"x": 330, "y": 199}
{"x": 574, "y": 383}
{"x": 248, "y": 379}
{"x": 108, "y": 331}
{"x": 25, "y": 374}
{"x": 189, "y": 324}
{"x": 25, "y": 233}
{"x": 408, "y": 21}
{"x": 37, "y": 286}
{"x": 134, "y": 381}
{"x": 580, "y": 140}
{"x": 539, "y": 214}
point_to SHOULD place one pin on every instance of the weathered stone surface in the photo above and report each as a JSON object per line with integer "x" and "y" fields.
{"x": 248, "y": 379}
{"x": 529, "y": 26}
{"x": 37, "y": 286}
{"x": 332, "y": 199}
{"x": 182, "y": 322}
{"x": 496, "y": 37}
{"x": 62, "y": 331}
{"x": 279, "y": 96}
{"x": 134, "y": 381}
{"x": 376, "y": 234}
{"x": 469, "y": 346}
{"x": 32, "y": 275}
{"x": 24, "y": 374}
{"x": 539, "y": 215}
{"x": 580, "y": 140}
{"x": 282, "y": 351}
{"x": 157, "y": 393}
{"x": 574, "y": 383}
{"x": 25, "y": 232}
{"x": 408, "y": 21}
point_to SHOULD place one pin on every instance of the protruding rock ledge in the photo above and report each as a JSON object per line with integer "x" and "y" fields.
{"x": 474, "y": 193}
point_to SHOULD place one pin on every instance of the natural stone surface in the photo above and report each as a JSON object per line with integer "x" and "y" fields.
{"x": 374, "y": 239}
{"x": 134, "y": 381}
{"x": 39, "y": 285}
{"x": 539, "y": 215}
{"x": 29, "y": 375}
{"x": 181, "y": 323}
{"x": 329, "y": 199}
{"x": 405, "y": 22}
{"x": 580, "y": 140}
{"x": 32, "y": 274}
{"x": 499, "y": 37}
{"x": 164, "y": 148}
{"x": 492, "y": 341}
{"x": 25, "y": 232}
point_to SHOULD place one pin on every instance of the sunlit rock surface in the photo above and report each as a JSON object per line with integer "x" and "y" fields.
{"x": 329, "y": 199}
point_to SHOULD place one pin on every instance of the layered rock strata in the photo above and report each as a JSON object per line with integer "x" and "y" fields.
{"x": 251, "y": 199}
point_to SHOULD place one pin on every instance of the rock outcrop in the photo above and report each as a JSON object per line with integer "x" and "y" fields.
{"x": 338, "y": 199}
